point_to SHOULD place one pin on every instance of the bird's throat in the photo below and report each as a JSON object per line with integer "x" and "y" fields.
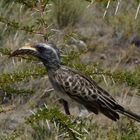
{"x": 52, "y": 66}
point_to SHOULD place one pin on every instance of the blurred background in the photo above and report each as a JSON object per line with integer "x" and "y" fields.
{"x": 99, "y": 38}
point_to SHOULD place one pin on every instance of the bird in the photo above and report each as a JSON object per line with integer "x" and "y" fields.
{"x": 73, "y": 86}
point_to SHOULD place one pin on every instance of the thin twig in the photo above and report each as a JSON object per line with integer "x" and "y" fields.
{"x": 108, "y": 3}
{"x": 117, "y": 7}
{"x": 138, "y": 8}
{"x": 92, "y": 1}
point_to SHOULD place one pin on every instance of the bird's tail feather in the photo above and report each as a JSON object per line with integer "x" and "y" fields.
{"x": 110, "y": 113}
{"x": 130, "y": 114}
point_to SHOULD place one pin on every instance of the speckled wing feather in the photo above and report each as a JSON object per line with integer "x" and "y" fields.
{"x": 86, "y": 92}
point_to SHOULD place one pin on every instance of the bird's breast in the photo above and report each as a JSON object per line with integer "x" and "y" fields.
{"x": 58, "y": 89}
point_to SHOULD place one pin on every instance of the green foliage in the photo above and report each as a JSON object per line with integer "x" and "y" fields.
{"x": 49, "y": 122}
{"x": 7, "y": 79}
{"x": 5, "y": 51}
{"x": 19, "y": 76}
{"x": 12, "y": 90}
{"x": 119, "y": 76}
{"x": 66, "y": 125}
{"x": 18, "y": 26}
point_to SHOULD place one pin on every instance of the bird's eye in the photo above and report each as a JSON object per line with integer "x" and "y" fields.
{"x": 40, "y": 49}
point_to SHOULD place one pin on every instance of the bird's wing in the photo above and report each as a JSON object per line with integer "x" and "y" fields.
{"x": 86, "y": 91}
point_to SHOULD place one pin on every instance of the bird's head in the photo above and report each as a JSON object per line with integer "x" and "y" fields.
{"x": 47, "y": 53}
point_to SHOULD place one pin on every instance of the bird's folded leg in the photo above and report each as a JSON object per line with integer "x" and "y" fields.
{"x": 66, "y": 106}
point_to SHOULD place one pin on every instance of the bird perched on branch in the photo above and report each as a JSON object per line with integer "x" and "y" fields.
{"x": 71, "y": 85}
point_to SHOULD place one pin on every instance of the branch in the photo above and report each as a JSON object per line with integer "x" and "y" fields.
{"x": 10, "y": 90}
{"x": 19, "y": 26}
{"x": 19, "y": 76}
{"x": 63, "y": 122}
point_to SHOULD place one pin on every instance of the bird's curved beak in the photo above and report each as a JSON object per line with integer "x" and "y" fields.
{"x": 26, "y": 49}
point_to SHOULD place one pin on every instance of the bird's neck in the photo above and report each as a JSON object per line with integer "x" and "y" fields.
{"x": 52, "y": 65}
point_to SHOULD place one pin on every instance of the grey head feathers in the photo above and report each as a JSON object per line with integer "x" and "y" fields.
{"x": 48, "y": 50}
{"x": 47, "y": 53}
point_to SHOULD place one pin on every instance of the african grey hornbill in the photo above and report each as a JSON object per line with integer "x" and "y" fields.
{"x": 71, "y": 85}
